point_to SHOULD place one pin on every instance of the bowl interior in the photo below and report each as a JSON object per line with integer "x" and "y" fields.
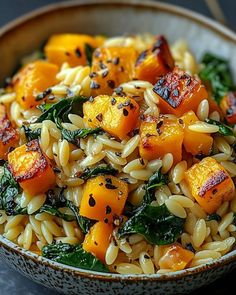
{"x": 112, "y": 18}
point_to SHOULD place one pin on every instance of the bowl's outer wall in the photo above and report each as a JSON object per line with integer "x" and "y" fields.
{"x": 110, "y": 19}
{"x": 68, "y": 283}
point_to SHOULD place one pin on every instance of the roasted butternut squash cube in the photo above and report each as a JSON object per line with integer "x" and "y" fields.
{"x": 33, "y": 79}
{"x": 116, "y": 115}
{"x": 160, "y": 136}
{"x": 210, "y": 184}
{"x": 98, "y": 239}
{"x": 9, "y": 136}
{"x": 179, "y": 93}
{"x": 111, "y": 66}
{"x": 103, "y": 198}
{"x": 196, "y": 145}
{"x": 154, "y": 62}
{"x": 31, "y": 168}
{"x": 228, "y": 106}
{"x": 70, "y": 48}
{"x": 175, "y": 257}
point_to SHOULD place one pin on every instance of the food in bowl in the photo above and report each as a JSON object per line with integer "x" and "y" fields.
{"x": 118, "y": 154}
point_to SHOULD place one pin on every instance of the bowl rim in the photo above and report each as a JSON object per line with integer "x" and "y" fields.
{"x": 162, "y": 7}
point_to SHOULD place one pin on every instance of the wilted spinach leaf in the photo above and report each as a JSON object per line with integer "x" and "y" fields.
{"x": 223, "y": 129}
{"x": 73, "y": 255}
{"x": 213, "y": 216}
{"x": 89, "y": 53}
{"x": 217, "y": 73}
{"x": 9, "y": 192}
{"x": 31, "y": 134}
{"x": 156, "y": 224}
{"x": 98, "y": 170}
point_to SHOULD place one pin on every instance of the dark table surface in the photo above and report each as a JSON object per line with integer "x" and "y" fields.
{"x": 11, "y": 282}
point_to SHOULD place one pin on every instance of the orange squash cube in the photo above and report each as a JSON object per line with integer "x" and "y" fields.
{"x": 69, "y": 48}
{"x": 196, "y": 145}
{"x": 98, "y": 239}
{"x": 9, "y": 137}
{"x": 32, "y": 80}
{"x": 228, "y": 106}
{"x": 116, "y": 115}
{"x": 155, "y": 61}
{"x": 31, "y": 168}
{"x": 179, "y": 93}
{"x": 160, "y": 136}
{"x": 175, "y": 257}
{"x": 103, "y": 198}
{"x": 210, "y": 184}
{"x": 111, "y": 66}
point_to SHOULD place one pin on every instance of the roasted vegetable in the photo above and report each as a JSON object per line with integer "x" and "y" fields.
{"x": 97, "y": 239}
{"x": 175, "y": 257}
{"x": 160, "y": 136}
{"x": 111, "y": 66}
{"x": 228, "y": 106}
{"x": 210, "y": 184}
{"x": 216, "y": 74}
{"x": 9, "y": 192}
{"x": 32, "y": 80}
{"x": 70, "y": 48}
{"x": 116, "y": 115}
{"x": 155, "y": 223}
{"x": 103, "y": 198}
{"x": 31, "y": 168}
{"x": 155, "y": 61}
{"x": 9, "y": 136}
{"x": 102, "y": 169}
{"x": 223, "y": 129}
{"x": 73, "y": 255}
{"x": 179, "y": 93}
{"x": 196, "y": 145}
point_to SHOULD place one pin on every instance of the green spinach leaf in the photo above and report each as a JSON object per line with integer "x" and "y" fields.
{"x": 216, "y": 73}
{"x": 31, "y": 134}
{"x": 89, "y": 53}
{"x": 223, "y": 129}
{"x": 9, "y": 192}
{"x": 213, "y": 216}
{"x": 98, "y": 170}
{"x": 73, "y": 255}
{"x": 156, "y": 224}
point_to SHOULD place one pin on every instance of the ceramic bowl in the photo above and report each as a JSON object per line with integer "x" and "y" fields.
{"x": 112, "y": 18}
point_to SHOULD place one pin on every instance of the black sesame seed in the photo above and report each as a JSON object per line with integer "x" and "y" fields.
{"x": 101, "y": 184}
{"x": 99, "y": 117}
{"x": 92, "y": 201}
{"x": 105, "y": 73}
{"x": 91, "y": 99}
{"x": 56, "y": 170}
{"x": 78, "y": 52}
{"x": 102, "y": 65}
{"x": 95, "y": 243}
{"x": 110, "y": 186}
{"x": 146, "y": 256}
{"x": 108, "y": 209}
{"x": 125, "y": 112}
{"x": 93, "y": 74}
{"x": 181, "y": 121}
{"x": 67, "y": 53}
{"x": 111, "y": 84}
{"x": 116, "y": 60}
{"x": 105, "y": 220}
{"x": 94, "y": 85}
{"x": 108, "y": 180}
{"x": 113, "y": 101}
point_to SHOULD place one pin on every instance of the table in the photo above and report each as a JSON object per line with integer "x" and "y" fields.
{"x": 14, "y": 283}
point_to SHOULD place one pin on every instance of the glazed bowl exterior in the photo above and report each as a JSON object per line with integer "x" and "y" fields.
{"x": 28, "y": 33}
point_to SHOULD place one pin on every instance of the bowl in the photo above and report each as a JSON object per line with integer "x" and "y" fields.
{"x": 29, "y": 32}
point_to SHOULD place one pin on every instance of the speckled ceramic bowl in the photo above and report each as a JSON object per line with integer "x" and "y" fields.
{"x": 112, "y": 18}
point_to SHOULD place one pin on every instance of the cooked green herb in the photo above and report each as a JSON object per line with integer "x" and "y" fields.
{"x": 98, "y": 170}
{"x": 31, "y": 134}
{"x": 156, "y": 224}
{"x": 223, "y": 129}
{"x": 89, "y": 53}
{"x": 217, "y": 73}
{"x": 9, "y": 193}
{"x": 73, "y": 255}
{"x": 213, "y": 216}
{"x": 56, "y": 212}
